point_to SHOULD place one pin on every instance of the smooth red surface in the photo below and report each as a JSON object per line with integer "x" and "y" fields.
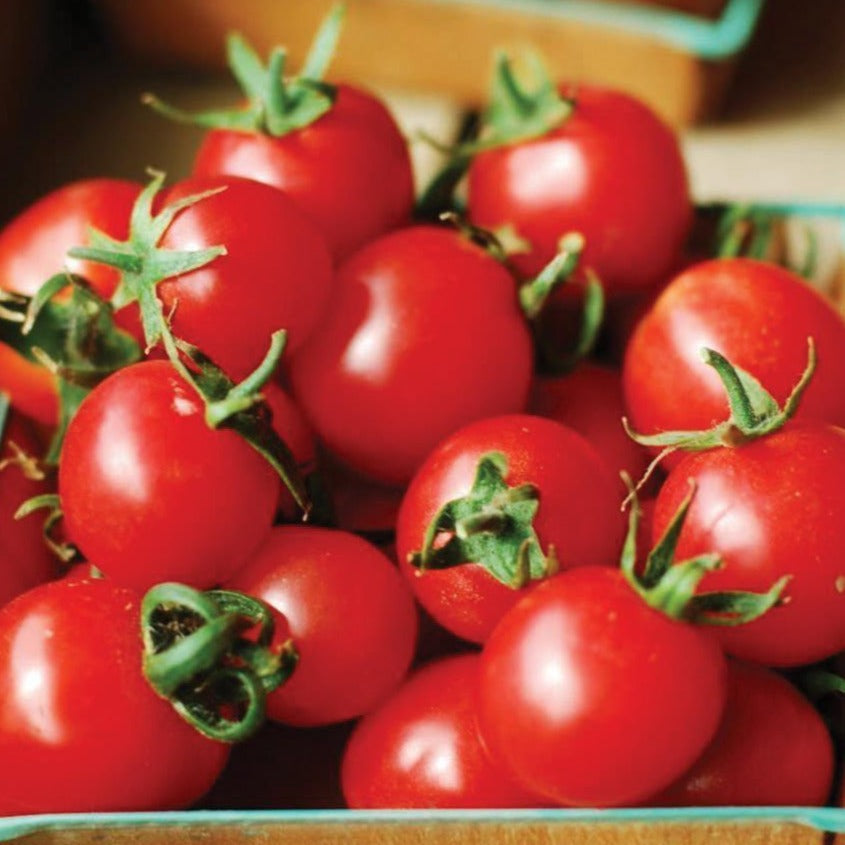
{"x": 80, "y": 728}
{"x": 578, "y": 513}
{"x": 351, "y": 616}
{"x": 612, "y": 171}
{"x": 33, "y": 247}
{"x": 592, "y": 698}
{"x": 150, "y": 493}
{"x": 771, "y": 749}
{"x": 757, "y": 315}
{"x": 276, "y": 273}
{"x": 421, "y": 748}
{"x": 423, "y": 335}
{"x": 349, "y": 170}
{"x": 25, "y": 560}
{"x": 773, "y": 507}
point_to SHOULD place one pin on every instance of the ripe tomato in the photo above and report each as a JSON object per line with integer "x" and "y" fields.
{"x": 421, "y": 748}
{"x": 772, "y": 748}
{"x": 26, "y": 560}
{"x": 33, "y": 248}
{"x": 350, "y": 614}
{"x": 758, "y": 316}
{"x": 276, "y": 272}
{"x": 81, "y": 730}
{"x": 424, "y": 334}
{"x": 611, "y": 171}
{"x": 772, "y": 507}
{"x": 575, "y": 687}
{"x": 589, "y": 400}
{"x": 349, "y": 170}
{"x": 578, "y": 514}
{"x": 150, "y": 493}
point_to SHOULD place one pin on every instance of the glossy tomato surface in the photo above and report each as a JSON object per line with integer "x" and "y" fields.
{"x": 349, "y": 170}
{"x": 351, "y": 616}
{"x": 611, "y": 171}
{"x": 423, "y": 335}
{"x": 33, "y": 247}
{"x": 757, "y": 315}
{"x": 771, "y": 508}
{"x": 592, "y": 698}
{"x": 578, "y": 514}
{"x": 80, "y": 728}
{"x": 421, "y": 748}
{"x": 150, "y": 493}
{"x": 771, "y": 749}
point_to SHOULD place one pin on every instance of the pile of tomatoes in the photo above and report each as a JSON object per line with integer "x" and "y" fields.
{"x": 312, "y": 454}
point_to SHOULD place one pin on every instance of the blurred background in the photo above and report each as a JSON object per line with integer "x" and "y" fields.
{"x": 756, "y": 87}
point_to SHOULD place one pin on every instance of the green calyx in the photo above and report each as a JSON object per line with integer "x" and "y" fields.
{"x": 64, "y": 551}
{"x": 210, "y": 655}
{"x": 670, "y": 587}
{"x": 142, "y": 265}
{"x": 492, "y": 526}
{"x": 75, "y": 338}
{"x": 276, "y": 104}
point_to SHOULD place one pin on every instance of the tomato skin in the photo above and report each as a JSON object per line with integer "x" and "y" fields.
{"x": 771, "y": 749}
{"x": 590, "y": 401}
{"x": 424, "y": 334}
{"x": 757, "y": 315}
{"x": 612, "y": 171}
{"x": 578, "y": 513}
{"x": 421, "y": 748}
{"x": 351, "y": 616}
{"x": 574, "y": 685}
{"x": 350, "y": 170}
{"x": 276, "y": 273}
{"x": 80, "y": 728}
{"x": 34, "y": 247}
{"x": 772, "y": 507}
{"x": 150, "y": 493}
{"x": 25, "y": 560}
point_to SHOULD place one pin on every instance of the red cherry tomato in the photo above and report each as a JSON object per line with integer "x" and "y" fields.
{"x": 589, "y": 400}
{"x": 759, "y": 317}
{"x": 349, "y": 170}
{"x": 770, "y": 508}
{"x": 350, "y": 614}
{"x": 611, "y": 171}
{"x": 592, "y": 698}
{"x": 276, "y": 273}
{"x": 578, "y": 513}
{"x": 423, "y": 335}
{"x": 421, "y": 748}
{"x": 25, "y": 560}
{"x": 81, "y": 730}
{"x": 33, "y": 247}
{"x": 772, "y": 748}
{"x": 150, "y": 493}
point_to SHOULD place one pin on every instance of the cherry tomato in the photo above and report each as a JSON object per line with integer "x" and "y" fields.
{"x": 591, "y": 697}
{"x": 80, "y": 728}
{"x": 276, "y": 273}
{"x": 611, "y": 171}
{"x": 772, "y": 748}
{"x": 589, "y": 400}
{"x": 34, "y": 247}
{"x": 150, "y": 493}
{"x": 350, "y": 614}
{"x": 759, "y": 317}
{"x": 26, "y": 560}
{"x": 349, "y": 170}
{"x": 423, "y": 335}
{"x": 421, "y": 748}
{"x": 770, "y": 508}
{"x": 578, "y": 515}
